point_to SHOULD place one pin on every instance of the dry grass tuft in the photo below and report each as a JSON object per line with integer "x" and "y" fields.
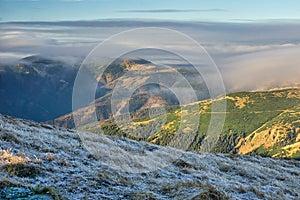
{"x": 20, "y": 166}
{"x": 22, "y": 169}
{"x": 210, "y": 193}
{"x": 183, "y": 164}
{"x": 6, "y": 156}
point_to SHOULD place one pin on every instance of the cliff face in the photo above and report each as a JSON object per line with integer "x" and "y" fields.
{"x": 35, "y": 156}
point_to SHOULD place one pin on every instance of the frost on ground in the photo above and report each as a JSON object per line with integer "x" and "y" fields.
{"x": 38, "y": 156}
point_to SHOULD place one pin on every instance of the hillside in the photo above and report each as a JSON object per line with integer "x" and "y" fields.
{"x": 256, "y": 123}
{"x": 40, "y": 88}
{"x": 40, "y": 161}
{"x": 124, "y": 72}
{"x": 36, "y": 88}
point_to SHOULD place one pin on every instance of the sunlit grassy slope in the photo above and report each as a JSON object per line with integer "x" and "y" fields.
{"x": 265, "y": 123}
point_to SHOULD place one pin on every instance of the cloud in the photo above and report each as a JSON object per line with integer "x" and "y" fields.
{"x": 249, "y": 55}
{"x": 174, "y": 10}
{"x": 10, "y": 57}
{"x": 246, "y": 48}
{"x": 262, "y": 70}
{"x": 17, "y": 39}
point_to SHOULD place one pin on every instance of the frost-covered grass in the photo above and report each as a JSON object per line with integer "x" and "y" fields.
{"x": 126, "y": 169}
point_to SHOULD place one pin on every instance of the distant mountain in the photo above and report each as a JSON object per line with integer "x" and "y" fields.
{"x": 40, "y": 60}
{"x": 257, "y": 123}
{"x": 40, "y": 88}
{"x": 148, "y": 95}
{"x": 36, "y": 88}
{"x": 40, "y": 161}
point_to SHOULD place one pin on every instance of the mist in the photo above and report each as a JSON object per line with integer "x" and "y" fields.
{"x": 249, "y": 56}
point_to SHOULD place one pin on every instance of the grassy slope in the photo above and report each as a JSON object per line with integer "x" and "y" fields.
{"x": 50, "y": 160}
{"x": 264, "y": 123}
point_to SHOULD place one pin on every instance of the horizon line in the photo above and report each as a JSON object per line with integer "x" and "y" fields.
{"x": 232, "y": 21}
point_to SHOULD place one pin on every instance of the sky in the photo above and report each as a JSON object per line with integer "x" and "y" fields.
{"x": 191, "y": 10}
{"x": 250, "y": 41}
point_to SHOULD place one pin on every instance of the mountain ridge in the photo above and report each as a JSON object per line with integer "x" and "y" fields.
{"x": 246, "y": 113}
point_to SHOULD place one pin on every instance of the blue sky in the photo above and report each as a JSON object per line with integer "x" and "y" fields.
{"x": 195, "y": 10}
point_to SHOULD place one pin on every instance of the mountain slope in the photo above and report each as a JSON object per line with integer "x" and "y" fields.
{"x": 40, "y": 88}
{"x": 263, "y": 123}
{"x": 125, "y": 72}
{"x": 36, "y": 156}
{"x": 278, "y": 137}
{"x": 36, "y": 88}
